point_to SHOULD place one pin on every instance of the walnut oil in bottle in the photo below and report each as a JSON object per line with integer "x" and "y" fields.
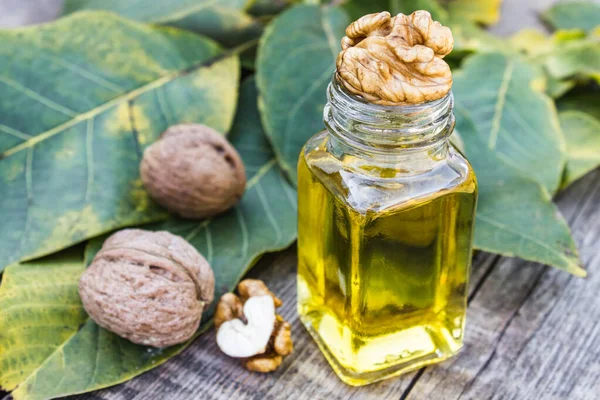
{"x": 386, "y": 213}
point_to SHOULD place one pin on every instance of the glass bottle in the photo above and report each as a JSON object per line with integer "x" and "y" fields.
{"x": 386, "y": 213}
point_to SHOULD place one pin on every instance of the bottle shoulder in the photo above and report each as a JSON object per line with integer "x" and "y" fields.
{"x": 367, "y": 187}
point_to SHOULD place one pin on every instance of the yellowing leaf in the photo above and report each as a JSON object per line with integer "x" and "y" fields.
{"x": 531, "y": 41}
{"x": 582, "y": 134}
{"x": 482, "y": 11}
{"x": 264, "y": 220}
{"x": 39, "y": 311}
{"x": 77, "y": 111}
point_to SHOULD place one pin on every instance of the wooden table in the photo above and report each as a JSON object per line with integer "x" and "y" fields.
{"x": 532, "y": 332}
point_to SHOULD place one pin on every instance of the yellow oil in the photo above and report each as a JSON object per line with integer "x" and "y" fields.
{"x": 383, "y": 289}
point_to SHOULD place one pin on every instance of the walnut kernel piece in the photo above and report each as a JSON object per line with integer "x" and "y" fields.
{"x": 254, "y": 287}
{"x": 282, "y": 337}
{"x": 253, "y": 332}
{"x": 264, "y": 363}
{"x": 246, "y": 338}
{"x": 148, "y": 287}
{"x": 193, "y": 171}
{"x": 229, "y": 307}
{"x": 396, "y": 60}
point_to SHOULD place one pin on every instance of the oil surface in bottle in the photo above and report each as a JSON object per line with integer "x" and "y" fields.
{"x": 382, "y": 289}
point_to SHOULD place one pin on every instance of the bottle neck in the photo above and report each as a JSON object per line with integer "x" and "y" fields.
{"x": 411, "y": 138}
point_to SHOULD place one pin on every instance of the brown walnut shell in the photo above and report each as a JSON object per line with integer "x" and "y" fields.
{"x": 193, "y": 171}
{"x": 148, "y": 287}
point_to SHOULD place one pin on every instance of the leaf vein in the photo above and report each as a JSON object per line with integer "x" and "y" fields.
{"x": 83, "y": 72}
{"x": 14, "y": 132}
{"x": 299, "y": 102}
{"x": 500, "y": 102}
{"x": 116, "y": 101}
{"x": 38, "y": 97}
{"x": 329, "y": 34}
{"x": 244, "y": 229}
{"x": 89, "y": 136}
{"x": 270, "y": 217}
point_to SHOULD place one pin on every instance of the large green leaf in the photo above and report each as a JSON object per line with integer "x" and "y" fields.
{"x": 224, "y": 20}
{"x": 583, "y": 15}
{"x": 77, "y": 111}
{"x": 515, "y": 120}
{"x": 264, "y": 220}
{"x": 296, "y": 60}
{"x": 515, "y": 215}
{"x": 39, "y": 311}
{"x": 582, "y": 133}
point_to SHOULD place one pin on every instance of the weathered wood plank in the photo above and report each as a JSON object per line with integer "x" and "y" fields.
{"x": 500, "y": 292}
{"x": 533, "y": 332}
{"x": 509, "y": 335}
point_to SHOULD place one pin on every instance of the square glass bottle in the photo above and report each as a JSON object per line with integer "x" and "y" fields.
{"x": 386, "y": 213}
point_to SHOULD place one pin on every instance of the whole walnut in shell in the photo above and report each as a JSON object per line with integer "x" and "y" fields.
{"x": 148, "y": 287}
{"x": 193, "y": 171}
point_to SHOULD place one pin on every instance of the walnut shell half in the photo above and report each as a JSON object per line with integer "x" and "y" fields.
{"x": 148, "y": 287}
{"x": 396, "y": 60}
{"x": 193, "y": 171}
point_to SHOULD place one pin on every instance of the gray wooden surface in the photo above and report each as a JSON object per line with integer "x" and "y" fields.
{"x": 532, "y": 332}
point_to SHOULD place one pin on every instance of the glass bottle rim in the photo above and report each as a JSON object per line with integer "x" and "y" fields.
{"x": 355, "y": 119}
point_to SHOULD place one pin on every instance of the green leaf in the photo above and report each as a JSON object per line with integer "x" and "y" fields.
{"x": 224, "y": 20}
{"x": 264, "y": 220}
{"x": 39, "y": 311}
{"x": 296, "y": 59}
{"x": 261, "y": 8}
{"x": 531, "y": 41}
{"x": 481, "y": 11}
{"x": 556, "y": 88}
{"x": 583, "y": 15}
{"x": 515, "y": 215}
{"x": 469, "y": 38}
{"x": 574, "y": 57}
{"x": 581, "y": 99}
{"x": 358, "y": 8}
{"x": 582, "y": 133}
{"x": 561, "y": 56}
{"x": 515, "y": 120}
{"x": 78, "y": 110}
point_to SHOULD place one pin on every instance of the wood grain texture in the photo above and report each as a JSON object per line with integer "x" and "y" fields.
{"x": 533, "y": 332}
{"x": 514, "y": 349}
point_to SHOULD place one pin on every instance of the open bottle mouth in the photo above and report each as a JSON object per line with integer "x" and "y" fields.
{"x": 381, "y": 127}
